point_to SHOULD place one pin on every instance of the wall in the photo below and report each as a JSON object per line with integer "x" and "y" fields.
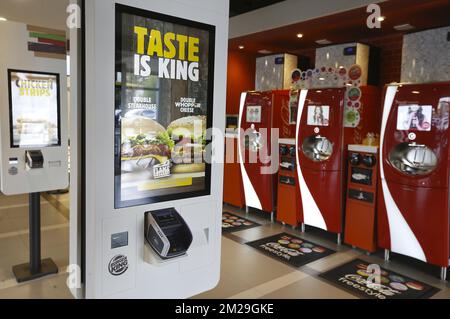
{"x": 241, "y": 77}
{"x": 333, "y": 56}
{"x": 241, "y": 66}
{"x": 426, "y": 56}
{"x": 390, "y": 57}
{"x": 273, "y": 76}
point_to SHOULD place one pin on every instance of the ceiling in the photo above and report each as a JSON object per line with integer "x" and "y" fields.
{"x": 45, "y": 13}
{"x": 242, "y": 6}
{"x": 52, "y": 13}
{"x": 349, "y": 26}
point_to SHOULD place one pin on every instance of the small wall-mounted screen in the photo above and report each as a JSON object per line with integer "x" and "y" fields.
{"x": 34, "y": 109}
{"x": 318, "y": 115}
{"x": 254, "y": 114}
{"x": 414, "y": 117}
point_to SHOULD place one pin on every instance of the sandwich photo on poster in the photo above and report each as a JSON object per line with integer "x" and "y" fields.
{"x": 34, "y": 109}
{"x": 164, "y": 94}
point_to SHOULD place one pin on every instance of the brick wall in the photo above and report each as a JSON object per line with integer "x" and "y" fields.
{"x": 390, "y": 57}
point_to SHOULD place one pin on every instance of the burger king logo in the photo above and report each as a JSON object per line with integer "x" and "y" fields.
{"x": 118, "y": 265}
{"x": 161, "y": 170}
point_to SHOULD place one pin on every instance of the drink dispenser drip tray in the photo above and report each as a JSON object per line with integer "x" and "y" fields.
{"x": 413, "y": 159}
{"x": 317, "y": 148}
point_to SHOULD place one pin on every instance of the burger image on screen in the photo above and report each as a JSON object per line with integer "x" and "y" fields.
{"x": 145, "y": 143}
{"x": 189, "y": 135}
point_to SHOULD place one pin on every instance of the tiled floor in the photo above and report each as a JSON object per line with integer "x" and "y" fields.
{"x": 14, "y": 245}
{"x": 245, "y": 273}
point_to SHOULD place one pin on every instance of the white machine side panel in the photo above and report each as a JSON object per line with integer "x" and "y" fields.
{"x": 311, "y": 212}
{"x": 403, "y": 240}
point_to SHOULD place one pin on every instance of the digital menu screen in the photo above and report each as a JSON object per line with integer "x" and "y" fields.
{"x": 164, "y": 95}
{"x": 414, "y": 117}
{"x": 34, "y": 109}
{"x": 318, "y": 115}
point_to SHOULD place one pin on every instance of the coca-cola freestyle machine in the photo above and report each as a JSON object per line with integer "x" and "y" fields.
{"x": 320, "y": 142}
{"x": 146, "y": 196}
{"x": 413, "y": 201}
{"x": 256, "y": 146}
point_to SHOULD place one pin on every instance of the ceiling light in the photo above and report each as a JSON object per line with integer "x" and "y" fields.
{"x": 381, "y": 19}
{"x": 415, "y": 92}
{"x": 299, "y": 35}
{"x": 323, "y": 41}
{"x": 241, "y": 47}
{"x": 403, "y": 27}
{"x": 3, "y": 19}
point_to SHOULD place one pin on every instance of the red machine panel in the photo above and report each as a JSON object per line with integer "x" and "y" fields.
{"x": 360, "y": 212}
{"x": 413, "y": 206}
{"x": 281, "y": 115}
{"x": 320, "y": 140}
{"x": 289, "y": 209}
{"x": 368, "y": 117}
{"x": 233, "y": 189}
{"x": 255, "y": 136}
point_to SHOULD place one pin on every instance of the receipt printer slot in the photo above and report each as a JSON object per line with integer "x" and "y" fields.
{"x": 34, "y": 159}
{"x": 167, "y": 233}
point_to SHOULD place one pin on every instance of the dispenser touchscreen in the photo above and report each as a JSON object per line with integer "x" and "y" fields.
{"x": 414, "y": 117}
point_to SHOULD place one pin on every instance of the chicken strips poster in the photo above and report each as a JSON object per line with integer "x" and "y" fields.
{"x": 34, "y": 104}
{"x": 164, "y": 87}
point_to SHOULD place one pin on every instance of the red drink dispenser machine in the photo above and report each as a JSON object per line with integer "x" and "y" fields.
{"x": 413, "y": 213}
{"x": 320, "y": 149}
{"x": 258, "y": 166}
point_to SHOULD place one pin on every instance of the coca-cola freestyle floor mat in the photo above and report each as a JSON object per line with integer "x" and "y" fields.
{"x": 290, "y": 249}
{"x": 375, "y": 282}
{"x": 232, "y": 223}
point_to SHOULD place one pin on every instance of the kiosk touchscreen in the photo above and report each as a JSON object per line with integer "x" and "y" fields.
{"x": 34, "y": 153}
{"x": 149, "y": 191}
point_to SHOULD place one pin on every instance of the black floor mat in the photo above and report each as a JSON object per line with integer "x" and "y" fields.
{"x": 232, "y": 223}
{"x": 356, "y": 278}
{"x": 290, "y": 249}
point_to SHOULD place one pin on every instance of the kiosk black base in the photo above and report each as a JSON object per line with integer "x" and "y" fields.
{"x": 36, "y": 268}
{"x": 23, "y": 272}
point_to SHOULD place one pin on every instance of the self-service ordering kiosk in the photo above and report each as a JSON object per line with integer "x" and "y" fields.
{"x": 33, "y": 134}
{"x": 134, "y": 233}
{"x": 34, "y": 140}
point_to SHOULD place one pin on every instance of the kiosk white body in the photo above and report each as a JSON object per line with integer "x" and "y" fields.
{"x": 33, "y": 108}
{"x": 108, "y": 236}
